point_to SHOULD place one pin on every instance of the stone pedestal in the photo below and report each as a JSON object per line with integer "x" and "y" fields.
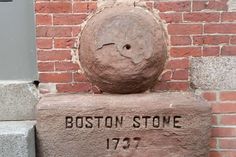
{"x": 136, "y": 125}
{"x": 17, "y": 139}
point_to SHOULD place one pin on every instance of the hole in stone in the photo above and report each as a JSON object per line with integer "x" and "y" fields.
{"x": 127, "y": 47}
{"x": 36, "y": 83}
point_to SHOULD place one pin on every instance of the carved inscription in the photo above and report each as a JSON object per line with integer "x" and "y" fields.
{"x": 137, "y": 121}
{"x": 118, "y": 122}
{"x": 124, "y": 143}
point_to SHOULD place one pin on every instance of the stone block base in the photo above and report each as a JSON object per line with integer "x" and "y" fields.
{"x": 18, "y": 101}
{"x": 17, "y": 139}
{"x": 136, "y": 125}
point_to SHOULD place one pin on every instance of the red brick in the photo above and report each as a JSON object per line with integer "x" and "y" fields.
{"x": 233, "y": 40}
{"x": 228, "y": 96}
{"x": 214, "y": 154}
{"x": 227, "y": 143}
{"x": 224, "y": 132}
{"x": 178, "y": 64}
{"x": 46, "y": 66}
{"x": 172, "y": 86}
{"x": 184, "y": 29}
{"x": 209, "y": 96}
{"x": 178, "y": 86}
{"x": 73, "y": 88}
{"x": 213, "y": 143}
{"x": 220, "y": 28}
{"x": 44, "y": 43}
{"x": 80, "y": 78}
{"x": 84, "y": 7}
{"x": 66, "y": 66}
{"x": 166, "y": 76}
{"x": 228, "y": 50}
{"x": 43, "y": 31}
{"x": 224, "y": 108}
{"x": 180, "y": 75}
{"x": 53, "y": 7}
{"x": 222, "y": 153}
{"x": 180, "y": 40}
{"x": 55, "y": 77}
{"x": 161, "y": 85}
{"x": 214, "y": 119}
{"x": 68, "y": 19}
{"x": 171, "y": 17}
{"x": 216, "y": 5}
{"x": 228, "y": 16}
{"x": 53, "y": 55}
{"x": 228, "y": 119}
{"x": 75, "y": 31}
{"x": 64, "y": 42}
{"x": 43, "y": 19}
{"x": 211, "y": 51}
{"x": 185, "y": 51}
{"x": 173, "y": 6}
{"x": 201, "y": 17}
{"x": 210, "y": 40}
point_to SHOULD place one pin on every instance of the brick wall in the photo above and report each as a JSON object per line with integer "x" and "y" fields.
{"x": 196, "y": 28}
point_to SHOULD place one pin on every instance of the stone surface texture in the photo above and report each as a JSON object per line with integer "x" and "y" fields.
{"x": 191, "y": 140}
{"x": 18, "y": 100}
{"x": 232, "y": 5}
{"x": 212, "y": 73}
{"x": 123, "y": 49}
{"x": 17, "y": 139}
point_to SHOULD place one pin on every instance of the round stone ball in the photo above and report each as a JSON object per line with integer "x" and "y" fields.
{"x": 123, "y": 49}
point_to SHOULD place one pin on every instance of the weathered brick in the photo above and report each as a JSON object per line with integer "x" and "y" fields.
{"x": 228, "y": 50}
{"x": 171, "y": 17}
{"x": 44, "y": 43}
{"x": 184, "y": 29}
{"x": 224, "y": 107}
{"x": 172, "y": 86}
{"x": 228, "y": 17}
{"x": 78, "y": 77}
{"x": 228, "y": 96}
{"x": 209, "y": 96}
{"x": 211, "y": 51}
{"x": 227, "y": 143}
{"x": 52, "y": 55}
{"x": 46, "y": 66}
{"x": 43, "y": 19}
{"x": 222, "y": 153}
{"x": 211, "y": 40}
{"x": 55, "y": 77}
{"x": 64, "y": 42}
{"x": 233, "y": 40}
{"x": 49, "y": 31}
{"x": 84, "y": 7}
{"x": 228, "y": 119}
{"x": 224, "y": 132}
{"x": 220, "y": 28}
{"x": 180, "y": 40}
{"x": 180, "y": 75}
{"x": 213, "y": 143}
{"x": 173, "y": 6}
{"x": 66, "y": 66}
{"x": 202, "y": 17}
{"x": 178, "y": 64}
{"x": 216, "y": 5}
{"x": 53, "y": 7}
{"x": 71, "y": 19}
{"x": 185, "y": 51}
{"x": 166, "y": 76}
{"x": 74, "y": 88}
